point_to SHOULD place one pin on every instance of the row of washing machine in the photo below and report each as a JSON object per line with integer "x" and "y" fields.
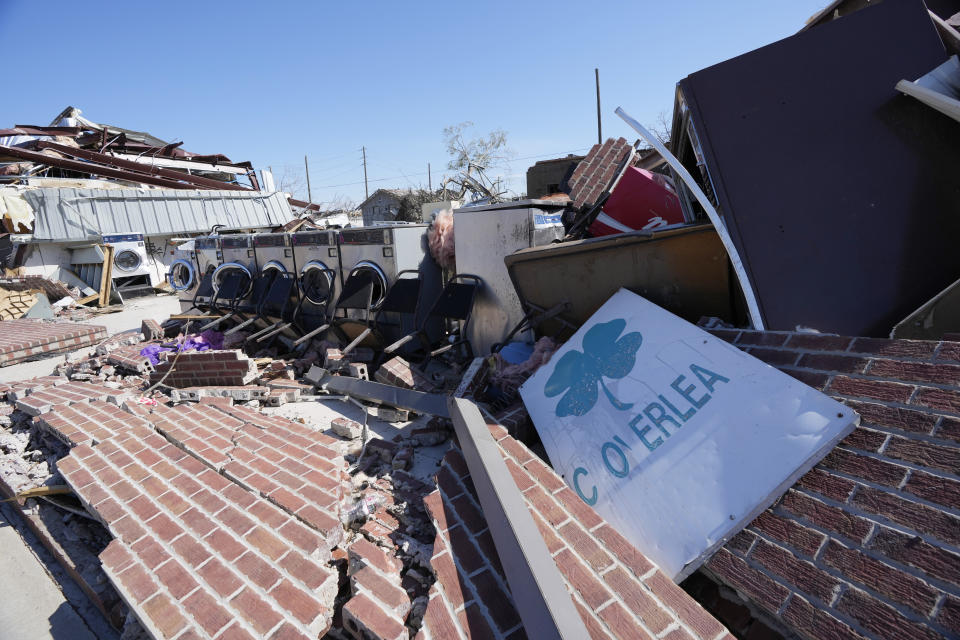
{"x": 382, "y": 251}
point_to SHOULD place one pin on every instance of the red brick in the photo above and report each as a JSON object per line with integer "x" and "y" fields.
{"x": 949, "y": 350}
{"x": 163, "y": 613}
{"x": 623, "y": 550}
{"x": 258, "y": 571}
{"x": 498, "y": 601}
{"x": 949, "y": 616}
{"x": 827, "y": 484}
{"x": 775, "y": 357}
{"x": 926, "y": 454}
{"x": 804, "y": 539}
{"x": 595, "y": 630}
{"x": 915, "y": 372}
{"x": 741, "y": 542}
{"x": 934, "y": 489}
{"x": 914, "y": 551}
{"x": 258, "y": 613}
{"x": 176, "y": 579}
{"x": 810, "y": 378}
{"x": 546, "y": 506}
{"x": 437, "y": 619}
{"x": 545, "y": 475}
{"x": 825, "y": 516}
{"x": 364, "y": 619}
{"x": 916, "y": 516}
{"x": 817, "y": 342}
{"x": 638, "y": 600}
{"x": 581, "y": 579}
{"x": 621, "y": 623}
{"x": 763, "y": 338}
{"x": 874, "y": 389}
{"x": 864, "y": 467}
{"x": 585, "y": 545}
{"x": 865, "y": 439}
{"x": 137, "y": 582}
{"x": 830, "y": 362}
{"x": 450, "y": 580}
{"x": 893, "y": 417}
{"x": 890, "y": 582}
{"x": 804, "y": 575}
{"x": 474, "y": 623}
{"x": 918, "y": 349}
{"x": 581, "y": 511}
{"x": 190, "y": 550}
{"x": 814, "y": 622}
{"x": 686, "y": 608}
{"x": 881, "y": 619}
{"x": 942, "y": 399}
{"x": 734, "y": 571}
{"x": 226, "y": 545}
{"x": 220, "y": 578}
{"x": 209, "y": 615}
{"x": 304, "y": 608}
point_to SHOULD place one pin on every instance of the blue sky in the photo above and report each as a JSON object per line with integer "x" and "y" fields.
{"x": 271, "y": 81}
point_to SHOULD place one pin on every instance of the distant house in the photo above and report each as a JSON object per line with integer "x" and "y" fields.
{"x": 382, "y": 206}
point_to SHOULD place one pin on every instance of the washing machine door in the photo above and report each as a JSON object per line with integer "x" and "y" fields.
{"x": 379, "y": 278}
{"x": 127, "y": 260}
{"x": 182, "y": 275}
{"x": 226, "y": 267}
{"x": 273, "y": 267}
{"x": 316, "y": 282}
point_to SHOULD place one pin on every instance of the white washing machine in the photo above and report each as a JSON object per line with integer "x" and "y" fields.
{"x": 237, "y": 254}
{"x": 314, "y": 253}
{"x": 132, "y": 266}
{"x": 384, "y": 252}
{"x": 273, "y": 252}
{"x": 182, "y": 274}
{"x": 208, "y": 257}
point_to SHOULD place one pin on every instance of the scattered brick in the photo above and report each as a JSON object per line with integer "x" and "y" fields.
{"x": 46, "y": 399}
{"x": 398, "y": 372}
{"x": 206, "y": 369}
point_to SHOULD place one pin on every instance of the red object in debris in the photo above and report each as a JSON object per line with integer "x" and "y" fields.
{"x": 641, "y": 200}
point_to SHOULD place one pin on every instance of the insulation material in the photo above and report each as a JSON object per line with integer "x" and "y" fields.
{"x": 440, "y": 239}
{"x": 511, "y": 376}
{"x": 17, "y": 213}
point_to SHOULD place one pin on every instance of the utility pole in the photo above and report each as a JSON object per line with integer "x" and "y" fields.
{"x": 429, "y": 180}
{"x": 306, "y": 168}
{"x": 596, "y": 74}
{"x": 366, "y": 189}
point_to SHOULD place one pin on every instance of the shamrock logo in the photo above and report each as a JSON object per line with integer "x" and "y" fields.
{"x": 603, "y": 356}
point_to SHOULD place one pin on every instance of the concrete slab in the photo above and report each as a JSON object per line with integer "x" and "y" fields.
{"x": 32, "y": 607}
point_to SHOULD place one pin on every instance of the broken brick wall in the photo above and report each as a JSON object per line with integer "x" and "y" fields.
{"x": 868, "y": 542}
{"x": 205, "y": 368}
{"x": 617, "y": 592}
{"x": 24, "y": 339}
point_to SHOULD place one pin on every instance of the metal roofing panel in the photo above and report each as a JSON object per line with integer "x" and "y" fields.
{"x": 82, "y": 214}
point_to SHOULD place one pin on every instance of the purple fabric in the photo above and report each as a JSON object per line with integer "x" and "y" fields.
{"x": 204, "y": 342}
{"x": 151, "y": 353}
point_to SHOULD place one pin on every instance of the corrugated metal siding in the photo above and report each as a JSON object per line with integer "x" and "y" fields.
{"x": 84, "y": 214}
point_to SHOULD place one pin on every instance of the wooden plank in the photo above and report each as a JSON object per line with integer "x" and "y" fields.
{"x": 90, "y": 298}
{"x": 105, "y": 276}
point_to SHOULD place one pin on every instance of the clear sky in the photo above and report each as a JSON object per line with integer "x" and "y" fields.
{"x": 272, "y": 81}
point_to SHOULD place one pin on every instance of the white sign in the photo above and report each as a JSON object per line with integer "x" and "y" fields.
{"x": 675, "y": 437}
